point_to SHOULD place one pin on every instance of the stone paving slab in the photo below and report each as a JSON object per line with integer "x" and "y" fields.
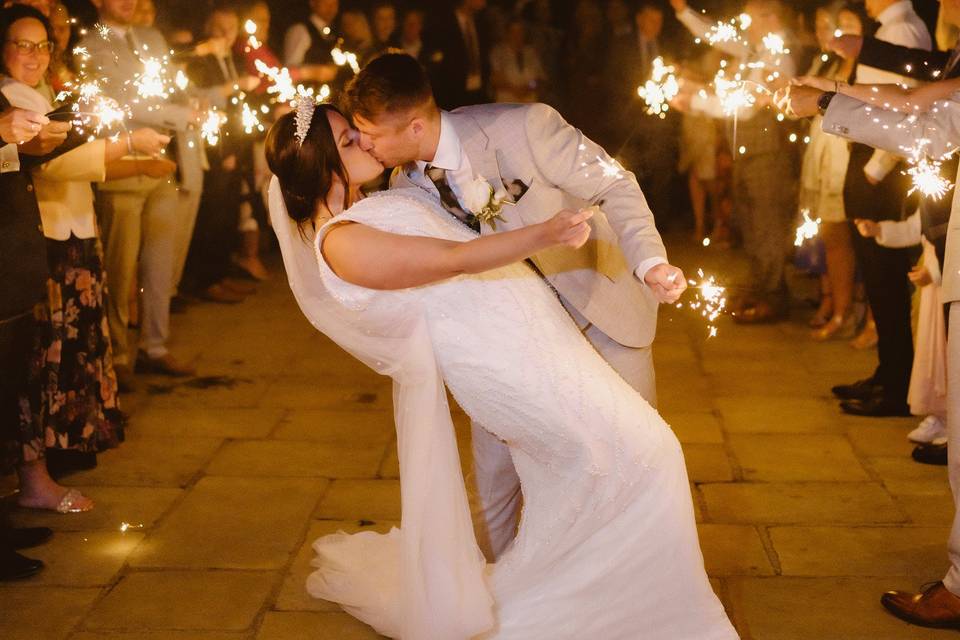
{"x": 286, "y": 625}
{"x": 781, "y": 608}
{"x": 859, "y": 551}
{"x": 140, "y": 507}
{"x": 290, "y": 458}
{"x": 233, "y": 523}
{"x": 361, "y": 500}
{"x": 187, "y": 600}
{"x": 222, "y": 423}
{"x": 808, "y": 502}
{"x": 83, "y": 558}
{"x": 777, "y": 414}
{"x": 796, "y": 458}
{"x": 47, "y": 613}
{"x": 734, "y": 550}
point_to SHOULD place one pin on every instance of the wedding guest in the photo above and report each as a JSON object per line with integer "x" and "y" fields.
{"x": 140, "y": 215}
{"x": 516, "y": 74}
{"x": 765, "y": 172}
{"x": 357, "y": 35}
{"x": 456, "y": 54}
{"x": 411, "y": 33}
{"x": 24, "y": 267}
{"x": 875, "y": 189}
{"x": 310, "y": 41}
{"x": 582, "y": 77}
{"x": 383, "y": 22}
{"x": 72, "y": 394}
{"x": 216, "y": 233}
{"x": 61, "y": 75}
{"x": 547, "y": 39}
{"x": 822, "y": 178}
{"x": 927, "y": 394}
{"x": 145, "y": 15}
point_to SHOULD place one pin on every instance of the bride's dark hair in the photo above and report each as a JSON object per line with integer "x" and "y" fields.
{"x": 305, "y": 171}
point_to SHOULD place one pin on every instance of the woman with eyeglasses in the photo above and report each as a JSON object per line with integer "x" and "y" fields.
{"x": 70, "y": 404}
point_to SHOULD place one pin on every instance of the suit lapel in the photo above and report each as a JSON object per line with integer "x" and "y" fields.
{"x": 482, "y": 157}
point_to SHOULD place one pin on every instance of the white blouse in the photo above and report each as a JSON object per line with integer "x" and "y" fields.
{"x": 62, "y": 186}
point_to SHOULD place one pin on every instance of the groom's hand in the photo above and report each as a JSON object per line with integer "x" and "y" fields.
{"x": 667, "y": 282}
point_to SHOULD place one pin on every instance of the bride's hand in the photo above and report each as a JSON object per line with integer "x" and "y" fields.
{"x": 569, "y": 228}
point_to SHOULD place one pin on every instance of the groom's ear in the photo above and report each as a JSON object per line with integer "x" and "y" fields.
{"x": 417, "y": 125}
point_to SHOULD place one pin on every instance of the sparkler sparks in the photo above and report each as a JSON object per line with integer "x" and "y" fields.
{"x": 126, "y": 526}
{"x": 659, "y": 89}
{"x": 250, "y": 120}
{"x": 210, "y": 128}
{"x": 723, "y": 32}
{"x": 283, "y": 84}
{"x": 251, "y": 28}
{"x": 611, "y": 168}
{"x": 155, "y": 81}
{"x": 709, "y": 300}
{"x": 775, "y": 44}
{"x": 927, "y": 178}
{"x": 807, "y": 230}
{"x": 341, "y": 58}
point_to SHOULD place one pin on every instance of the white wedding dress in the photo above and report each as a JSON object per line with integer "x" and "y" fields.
{"x": 607, "y": 545}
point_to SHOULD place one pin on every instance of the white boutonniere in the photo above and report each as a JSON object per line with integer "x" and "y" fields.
{"x": 483, "y": 202}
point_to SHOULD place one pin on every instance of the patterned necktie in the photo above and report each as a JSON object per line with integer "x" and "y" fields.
{"x": 438, "y": 177}
{"x": 952, "y": 61}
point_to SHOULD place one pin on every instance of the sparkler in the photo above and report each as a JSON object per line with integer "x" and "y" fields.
{"x": 250, "y": 120}
{"x": 709, "y": 300}
{"x": 251, "y": 28}
{"x": 126, "y": 526}
{"x": 210, "y": 128}
{"x": 341, "y": 58}
{"x": 155, "y": 81}
{"x": 775, "y": 44}
{"x": 611, "y": 168}
{"x": 927, "y": 178}
{"x": 659, "y": 89}
{"x": 723, "y": 32}
{"x": 807, "y": 230}
{"x": 283, "y": 84}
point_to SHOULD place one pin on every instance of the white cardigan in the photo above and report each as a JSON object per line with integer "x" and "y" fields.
{"x": 62, "y": 186}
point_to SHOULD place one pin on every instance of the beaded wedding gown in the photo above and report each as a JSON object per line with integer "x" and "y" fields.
{"x": 607, "y": 545}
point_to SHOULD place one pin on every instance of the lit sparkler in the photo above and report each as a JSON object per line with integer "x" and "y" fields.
{"x": 212, "y": 123}
{"x": 807, "y": 230}
{"x": 251, "y": 28}
{"x": 723, "y": 32}
{"x": 341, "y": 58}
{"x": 155, "y": 80}
{"x": 927, "y": 177}
{"x": 283, "y": 85}
{"x": 659, "y": 89}
{"x": 709, "y": 300}
{"x": 250, "y": 120}
{"x": 775, "y": 44}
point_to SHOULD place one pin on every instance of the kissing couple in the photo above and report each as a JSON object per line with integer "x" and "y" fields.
{"x": 513, "y": 262}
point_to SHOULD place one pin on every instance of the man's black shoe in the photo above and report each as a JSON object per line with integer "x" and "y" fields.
{"x": 875, "y": 407}
{"x": 930, "y": 454}
{"x": 859, "y": 390}
{"x": 24, "y": 537}
{"x": 14, "y": 566}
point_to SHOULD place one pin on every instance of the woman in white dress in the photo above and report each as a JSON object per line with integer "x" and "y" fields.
{"x": 607, "y": 546}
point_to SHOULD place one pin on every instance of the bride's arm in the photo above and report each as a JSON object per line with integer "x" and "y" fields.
{"x": 375, "y": 259}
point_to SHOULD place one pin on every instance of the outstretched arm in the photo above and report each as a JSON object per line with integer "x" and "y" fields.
{"x": 376, "y": 259}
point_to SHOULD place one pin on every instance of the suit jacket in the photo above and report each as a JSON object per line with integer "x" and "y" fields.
{"x": 533, "y": 144}
{"x": 915, "y": 63}
{"x": 887, "y": 129}
{"x": 445, "y": 55}
{"x": 117, "y": 65}
{"x": 23, "y": 250}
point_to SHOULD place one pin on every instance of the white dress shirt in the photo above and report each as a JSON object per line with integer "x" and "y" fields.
{"x": 899, "y": 24}
{"x": 451, "y": 157}
{"x": 297, "y": 41}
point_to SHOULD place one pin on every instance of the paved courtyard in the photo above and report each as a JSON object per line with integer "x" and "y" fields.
{"x": 806, "y": 516}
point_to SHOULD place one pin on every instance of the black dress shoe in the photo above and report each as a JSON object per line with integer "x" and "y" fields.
{"x": 930, "y": 454}
{"x": 24, "y": 537}
{"x": 14, "y": 566}
{"x": 859, "y": 390}
{"x": 876, "y": 407}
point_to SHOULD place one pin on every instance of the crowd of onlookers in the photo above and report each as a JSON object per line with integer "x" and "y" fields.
{"x": 143, "y": 222}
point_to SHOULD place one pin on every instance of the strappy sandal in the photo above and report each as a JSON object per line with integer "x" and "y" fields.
{"x": 69, "y": 503}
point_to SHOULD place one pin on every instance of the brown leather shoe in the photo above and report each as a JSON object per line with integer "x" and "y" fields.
{"x": 221, "y": 295}
{"x": 936, "y": 607}
{"x": 165, "y": 366}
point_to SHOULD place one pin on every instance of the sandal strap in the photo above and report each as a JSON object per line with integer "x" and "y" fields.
{"x": 68, "y": 503}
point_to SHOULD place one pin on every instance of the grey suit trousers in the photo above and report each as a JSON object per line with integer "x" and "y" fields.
{"x": 952, "y": 579}
{"x": 495, "y": 488}
{"x": 139, "y": 237}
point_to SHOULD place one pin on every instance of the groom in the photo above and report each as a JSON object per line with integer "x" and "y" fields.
{"x": 541, "y": 164}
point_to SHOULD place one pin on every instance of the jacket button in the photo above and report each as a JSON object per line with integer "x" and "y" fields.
{"x": 5, "y": 165}
{"x": 29, "y": 187}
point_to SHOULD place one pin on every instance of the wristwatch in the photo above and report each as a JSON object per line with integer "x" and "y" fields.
{"x": 824, "y": 101}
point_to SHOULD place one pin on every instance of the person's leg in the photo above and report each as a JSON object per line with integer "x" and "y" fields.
{"x": 952, "y": 579}
{"x": 121, "y": 218}
{"x": 698, "y": 202}
{"x": 840, "y": 266}
{"x": 635, "y": 365}
{"x": 496, "y": 507}
{"x": 188, "y": 203}
{"x": 160, "y": 219}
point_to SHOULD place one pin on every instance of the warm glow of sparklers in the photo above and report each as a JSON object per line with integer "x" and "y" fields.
{"x": 611, "y": 168}
{"x": 927, "y": 178}
{"x": 154, "y": 82}
{"x": 775, "y": 44}
{"x": 807, "y": 230}
{"x": 250, "y": 120}
{"x": 723, "y": 32}
{"x": 659, "y": 89}
{"x": 282, "y": 83}
{"x": 709, "y": 300}
{"x": 251, "y": 28}
{"x": 210, "y": 128}
{"x": 341, "y": 58}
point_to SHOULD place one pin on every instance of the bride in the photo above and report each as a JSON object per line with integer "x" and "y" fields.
{"x": 607, "y": 546}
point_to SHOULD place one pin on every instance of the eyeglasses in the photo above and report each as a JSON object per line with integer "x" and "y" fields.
{"x": 27, "y": 47}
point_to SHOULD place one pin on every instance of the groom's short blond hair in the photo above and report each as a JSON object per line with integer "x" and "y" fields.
{"x": 391, "y": 83}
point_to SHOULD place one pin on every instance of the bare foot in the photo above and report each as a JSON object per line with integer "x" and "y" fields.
{"x": 39, "y": 491}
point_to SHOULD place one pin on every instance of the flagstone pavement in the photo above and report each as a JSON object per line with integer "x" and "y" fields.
{"x": 805, "y": 515}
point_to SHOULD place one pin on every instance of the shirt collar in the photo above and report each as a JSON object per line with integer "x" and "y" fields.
{"x": 449, "y": 154}
{"x": 895, "y": 12}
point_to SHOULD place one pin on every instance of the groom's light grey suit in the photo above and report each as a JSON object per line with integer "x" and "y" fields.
{"x": 893, "y": 131}
{"x": 600, "y": 284}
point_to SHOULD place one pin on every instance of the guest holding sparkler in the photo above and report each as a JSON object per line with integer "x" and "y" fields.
{"x": 821, "y": 184}
{"x": 765, "y": 164}
{"x": 141, "y": 216}
{"x": 308, "y": 44}
{"x": 72, "y": 394}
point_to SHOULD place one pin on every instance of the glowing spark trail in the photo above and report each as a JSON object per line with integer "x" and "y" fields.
{"x": 927, "y": 178}
{"x": 807, "y": 230}
{"x": 659, "y": 89}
